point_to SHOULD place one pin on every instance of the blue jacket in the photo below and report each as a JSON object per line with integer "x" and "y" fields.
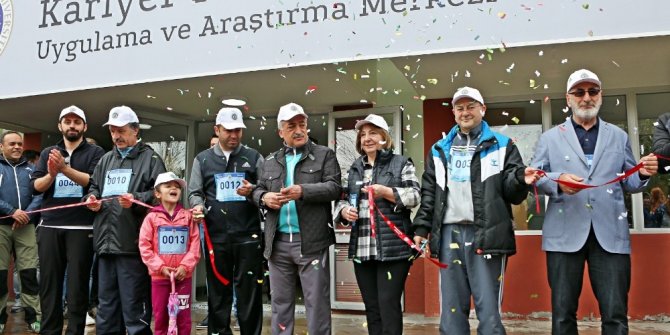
{"x": 569, "y": 218}
{"x": 497, "y": 173}
{"x": 15, "y": 189}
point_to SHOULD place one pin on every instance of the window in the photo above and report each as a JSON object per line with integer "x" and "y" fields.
{"x": 522, "y": 122}
{"x": 655, "y": 204}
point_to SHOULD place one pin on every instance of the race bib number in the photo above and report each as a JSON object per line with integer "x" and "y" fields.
{"x": 172, "y": 240}
{"x": 227, "y": 185}
{"x": 64, "y": 187}
{"x": 460, "y": 166}
{"x": 117, "y": 182}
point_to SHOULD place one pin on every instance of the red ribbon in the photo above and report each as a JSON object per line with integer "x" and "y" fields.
{"x": 210, "y": 250}
{"x": 371, "y": 204}
{"x": 580, "y": 186}
{"x": 395, "y": 229}
{"x": 76, "y": 205}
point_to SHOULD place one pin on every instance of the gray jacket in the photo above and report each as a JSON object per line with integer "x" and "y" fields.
{"x": 319, "y": 175}
{"x": 569, "y": 218}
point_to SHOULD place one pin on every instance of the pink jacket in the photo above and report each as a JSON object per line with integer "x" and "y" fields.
{"x": 149, "y": 241}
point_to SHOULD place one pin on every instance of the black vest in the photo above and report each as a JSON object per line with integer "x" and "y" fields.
{"x": 234, "y": 218}
{"x": 387, "y": 172}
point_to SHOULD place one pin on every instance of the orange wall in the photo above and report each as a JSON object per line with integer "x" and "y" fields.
{"x": 527, "y": 290}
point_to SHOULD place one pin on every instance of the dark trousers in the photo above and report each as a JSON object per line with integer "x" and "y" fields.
{"x": 610, "y": 281}
{"x": 241, "y": 263}
{"x": 61, "y": 249}
{"x": 124, "y": 295}
{"x": 381, "y": 285}
{"x": 93, "y": 293}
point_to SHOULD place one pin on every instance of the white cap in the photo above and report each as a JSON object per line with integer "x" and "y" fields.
{"x": 230, "y": 118}
{"x": 467, "y": 92}
{"x": 121, "y": 116}
{"x": 167, "y": 177}
{"x": 373, "y": 119}
{"x": 289, "y": 111}
{"x": 72, "y": 110}
{"x": 582, "y": 76}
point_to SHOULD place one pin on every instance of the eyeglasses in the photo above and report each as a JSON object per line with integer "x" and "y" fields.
{"x": 580, "y": 92}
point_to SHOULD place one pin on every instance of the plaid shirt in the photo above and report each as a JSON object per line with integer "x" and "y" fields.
{"x": 409, "y": 196}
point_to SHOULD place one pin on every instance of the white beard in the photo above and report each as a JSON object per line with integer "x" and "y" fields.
{"x": 586, "y": 113}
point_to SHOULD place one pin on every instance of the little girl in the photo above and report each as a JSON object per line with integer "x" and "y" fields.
{"x": 170, "y": 243}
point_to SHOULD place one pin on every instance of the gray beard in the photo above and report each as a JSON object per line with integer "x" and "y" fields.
{"x": 589, "y": 114}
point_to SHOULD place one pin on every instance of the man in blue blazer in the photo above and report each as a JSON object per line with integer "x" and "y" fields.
{"x": 588, "y": 224}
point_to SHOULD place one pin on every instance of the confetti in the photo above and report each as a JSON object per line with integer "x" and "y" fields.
{"x": 589, "y": 206}
{"x": 585, "y": 6}
{"x": 516, "y": 120}
{"x": 432, "y": 81}
{"x": 530, "y": 216}
{"x": 532, "y": 83}
{"x": 282, "y": 327}
{"x": 415, "y": 135}
{"x": 501, "y": 15}
{"x": 534, "y": 296}
{"x": 541, "y": 53}
{"x": 655, "y": 124}
{"x": 453, "y": 310}
{"x": 564, "y": 61}
{"x": 537, "y": 73}
{"x": 610, "y": 191}
{"x": 566, "y": 109}
{"x": 453, "y": 246}
{"x": 357, "y": 260}
{"x": 505, "y": 113}
{"x": 260, "y": 281}
{"x": 310, "y": 89}
{"x": 617, "y": 102}
{"x": 388, "y": 275}
{"x": 567, "y": 158}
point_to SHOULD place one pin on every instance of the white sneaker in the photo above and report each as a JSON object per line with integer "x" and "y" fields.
{"x": 89, "y": 320}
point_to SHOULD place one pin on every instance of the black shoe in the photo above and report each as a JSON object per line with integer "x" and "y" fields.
{"x": 202, "y": 324}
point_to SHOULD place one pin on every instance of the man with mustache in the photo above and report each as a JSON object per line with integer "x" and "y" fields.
{"x": 16, "y": 198}
{"x": 127, "y": 172}
{"x": 298, "y": 183}
{"x": 588, "y": 224}
{"x": 221, "y": 182}
{"x": 65, "y": 239}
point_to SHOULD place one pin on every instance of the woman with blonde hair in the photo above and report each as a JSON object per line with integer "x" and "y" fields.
{"x": 381, "y": 259}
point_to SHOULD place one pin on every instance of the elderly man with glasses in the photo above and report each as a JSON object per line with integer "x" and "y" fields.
{"x": 583, "y": 223}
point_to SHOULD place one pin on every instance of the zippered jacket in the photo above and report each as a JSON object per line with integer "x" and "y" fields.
{"x": 158, "y": 227}
{"x": 497, "y": 181}
{"x": 116, "y": 229}
{"x": 318, "y": 173}
{"x": 16, "y": 192}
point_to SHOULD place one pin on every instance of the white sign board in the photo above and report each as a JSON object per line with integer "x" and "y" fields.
{"x": 51, "y": 46}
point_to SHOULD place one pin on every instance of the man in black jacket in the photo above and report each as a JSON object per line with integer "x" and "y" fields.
{"x": 297, "y": 186}
{"x": 661, "y": 144}
{"x": 220, "y": 184}
{"x": 471, "y": 178}
{"x": 64, "y": 239}
{"x": 125, "y": 173}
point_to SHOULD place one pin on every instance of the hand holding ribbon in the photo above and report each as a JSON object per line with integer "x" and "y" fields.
{"x": 401, "y": 235}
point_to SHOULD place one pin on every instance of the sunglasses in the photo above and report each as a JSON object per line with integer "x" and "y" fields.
{"x": 580, "y": 92}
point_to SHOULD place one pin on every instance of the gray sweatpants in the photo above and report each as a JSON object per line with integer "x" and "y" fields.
{"x": 469, "y": 274}
{"x": 286, "y": 263}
